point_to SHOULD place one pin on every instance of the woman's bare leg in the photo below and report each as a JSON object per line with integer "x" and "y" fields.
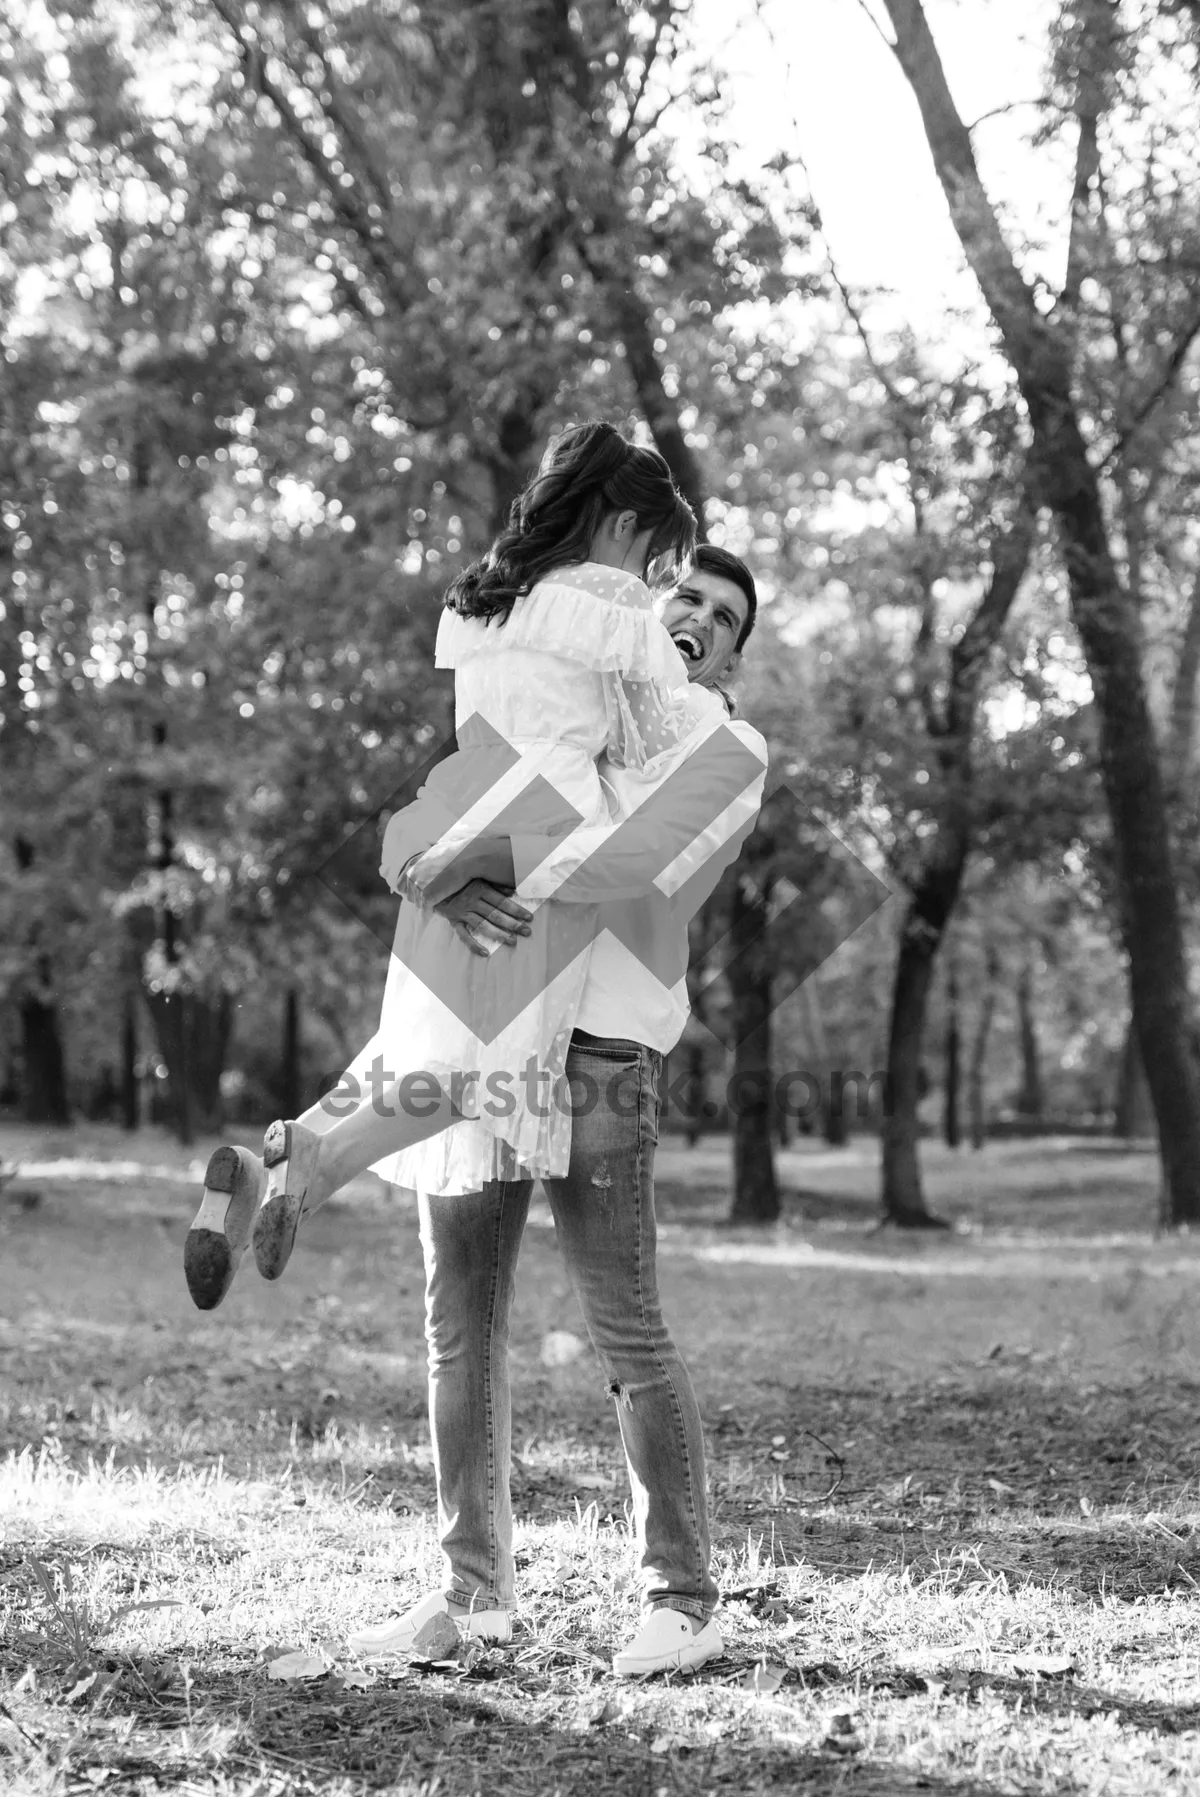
{"x": 306, "y": 1167}
{"x": 379, "y": 1125}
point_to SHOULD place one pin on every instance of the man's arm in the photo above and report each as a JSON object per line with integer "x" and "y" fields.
{"x": 687, "y": 828}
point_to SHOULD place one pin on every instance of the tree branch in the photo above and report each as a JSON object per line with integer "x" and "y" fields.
{"x": 625, "y": 138}
{"x": 1167, "y": 377}
{"x": 1011, "y": 550}
{"x": 338, "y": 114}
{"x": 1181, "y": 745}
{"x": 343, "y": 201}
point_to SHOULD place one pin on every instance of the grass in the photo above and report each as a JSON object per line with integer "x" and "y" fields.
{"x": 1001, "y": 1594}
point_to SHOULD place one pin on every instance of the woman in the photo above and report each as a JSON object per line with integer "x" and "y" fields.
{"x": 558, "y": 659}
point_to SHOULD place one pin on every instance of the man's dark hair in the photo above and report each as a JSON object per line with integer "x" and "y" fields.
{"x": 711, "y": 560}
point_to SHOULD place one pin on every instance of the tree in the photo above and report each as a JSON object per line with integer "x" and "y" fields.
{"x": 1041, "y": 350}
{"x": 520, "y": 144}
{"x": 936, "y": 881}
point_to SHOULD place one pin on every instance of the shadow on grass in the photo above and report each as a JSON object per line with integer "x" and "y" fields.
{"x": 486, "y": 1730}
{"x": 466, "y": 1733}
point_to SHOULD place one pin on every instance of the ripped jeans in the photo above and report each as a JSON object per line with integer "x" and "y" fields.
{"x": 604, "y": 1218}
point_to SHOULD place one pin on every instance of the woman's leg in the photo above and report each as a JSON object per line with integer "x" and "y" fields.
{"x": 369, "y": 1129}
{"x": 305, "y": 1169}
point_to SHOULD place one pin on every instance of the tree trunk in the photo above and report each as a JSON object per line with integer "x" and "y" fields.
{"x": 1184, "y": 695}
{"x": 660, "y": 411}
{"x": 44, "y": 1087}
{"x": 694, "y": 1112}
{"x": 208, "y": 1021}
{"x": 1134, "y": 1113}
{"x": 289, "y": 1083}
{"x": 903, "y": 1193}
{"x": 950, "y": 1127}
{"x": 976, "y": 1079}
{"x": 130, "y": 1108}
{"x": 834, "y": 1125}
{"x": 756, "y": 1190}
{"x": 1030, "y": 1097}
{"x": 1132, "y": 774}
{"x": 170, "y": 1030}
{"x": 193, "y": 1033}
{"x": 939, "y": 880}
{"x": 44, "y": 1079}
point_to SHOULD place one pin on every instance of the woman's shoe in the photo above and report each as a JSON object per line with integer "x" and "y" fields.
{"x": 290, "y": 1157}
{"x": 234, "y": 1183}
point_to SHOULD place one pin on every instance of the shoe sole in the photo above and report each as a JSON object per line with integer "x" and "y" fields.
{"x": 279, "y": 1218}
{"x": 211, "y": 1255}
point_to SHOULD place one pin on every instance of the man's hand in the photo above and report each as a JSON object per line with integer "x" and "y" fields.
{"x": 479, "y": 902}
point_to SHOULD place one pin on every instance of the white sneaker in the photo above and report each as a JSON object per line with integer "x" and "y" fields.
{"x": 398, "y": 1635}
{"x": 667, "y": 1642}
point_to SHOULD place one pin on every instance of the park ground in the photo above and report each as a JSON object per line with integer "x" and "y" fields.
{"x": 953, "y": 1479}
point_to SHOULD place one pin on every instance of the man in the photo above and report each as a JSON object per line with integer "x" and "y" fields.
{"x": 632, "y": 1013}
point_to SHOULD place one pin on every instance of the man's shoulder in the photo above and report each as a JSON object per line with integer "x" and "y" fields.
{"x": 749, "y": 737}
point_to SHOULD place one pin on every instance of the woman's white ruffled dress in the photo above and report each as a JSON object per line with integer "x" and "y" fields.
{"x": 581, "y": 668}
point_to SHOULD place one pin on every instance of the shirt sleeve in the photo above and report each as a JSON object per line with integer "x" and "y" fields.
{"x": 647, "y": 718}
{"x": 684, "y": 826}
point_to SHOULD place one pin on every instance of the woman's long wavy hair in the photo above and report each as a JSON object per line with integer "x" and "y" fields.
{"x": 587, "y": 473}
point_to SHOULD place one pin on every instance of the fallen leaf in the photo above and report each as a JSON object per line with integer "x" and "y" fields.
{"x": 82, "y": 1688}
{"x": 999, "y": 1487}
{"x": 437, "y": 1639}
{"x": 298, "y": 1666}
{"x": 357, "y": 1680}
{"x": 764, "y": 1678}
{"x": 935, "y": 1687}
{"x": 1086, "y": 1505}
{"x": 268, "y": 1654}
{"x": 662, "y": 1744}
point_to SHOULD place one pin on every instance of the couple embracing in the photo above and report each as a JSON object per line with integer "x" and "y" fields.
{"x": 538, "y": 976}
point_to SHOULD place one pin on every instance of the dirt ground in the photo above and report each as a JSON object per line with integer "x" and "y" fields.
{"x": 929, "y": 1457}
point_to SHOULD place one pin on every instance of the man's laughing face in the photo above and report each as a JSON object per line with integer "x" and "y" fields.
{"x": 705, "y": 615}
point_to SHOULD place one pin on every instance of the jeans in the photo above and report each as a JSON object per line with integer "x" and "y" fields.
{"x": 604, "y": 1218}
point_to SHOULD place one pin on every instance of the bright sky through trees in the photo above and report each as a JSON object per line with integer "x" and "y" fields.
{"x": 815, "y": 76}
